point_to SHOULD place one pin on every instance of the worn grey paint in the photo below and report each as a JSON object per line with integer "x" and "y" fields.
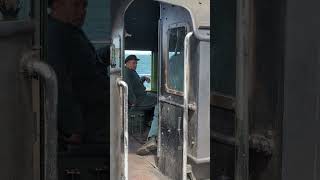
{"x": 199, "y": 118}
{"x": 203, "y": 101}
{"x": 118, "y": 9}
{"x": 116, "y": 162}
{"x": 199, "y": 11}
{"x": 17, "y": 133}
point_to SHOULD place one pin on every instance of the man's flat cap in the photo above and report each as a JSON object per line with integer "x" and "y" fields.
{"x": 131, "y": 57}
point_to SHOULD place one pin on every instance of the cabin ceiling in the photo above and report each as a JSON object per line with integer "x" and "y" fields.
{"x": 141, "y": 22}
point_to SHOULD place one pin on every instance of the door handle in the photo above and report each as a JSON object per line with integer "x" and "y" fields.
{"x": 124, "y": 107}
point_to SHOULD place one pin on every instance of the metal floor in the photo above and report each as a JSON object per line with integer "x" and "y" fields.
{"x": 142, "y": 167}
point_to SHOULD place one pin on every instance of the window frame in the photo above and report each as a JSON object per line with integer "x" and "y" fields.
{"x": 170, "y": 27}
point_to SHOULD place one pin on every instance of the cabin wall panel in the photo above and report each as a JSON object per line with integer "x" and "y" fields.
{"x": 301, "y": 91}
{"x": 17, "y": 119}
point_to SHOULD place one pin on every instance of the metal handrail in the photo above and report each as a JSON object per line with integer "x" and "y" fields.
{"x": 186, "y": 102}
{"x": 187, "y": 59}
{"x": 200, "y": 36}
{"x": 31, "y": 64}
{"x": 199, "y": 160}
{"x": 124, "y": 85}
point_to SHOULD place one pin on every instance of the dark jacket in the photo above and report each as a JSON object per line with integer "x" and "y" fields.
{"x": 137, "y": 91}
{"x": 82, "y": 77}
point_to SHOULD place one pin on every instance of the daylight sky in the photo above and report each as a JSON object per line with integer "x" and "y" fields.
{"x": 127, "y": 52}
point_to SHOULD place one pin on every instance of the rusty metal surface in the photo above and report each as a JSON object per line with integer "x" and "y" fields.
{"x": 171, "y": 156}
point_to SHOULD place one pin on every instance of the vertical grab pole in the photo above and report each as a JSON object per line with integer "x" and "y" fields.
{"x": 186, "y": 102}
{"x": 124, "y": 85}
{"x": 244, "y": 43}
{"x": 31, "y": 65}
{"x": 159, "y": 85}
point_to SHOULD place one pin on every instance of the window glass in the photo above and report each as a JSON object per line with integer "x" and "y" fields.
{"x": 175, "y": 62}
{"x": 98, "y": 22}
{"x": 14, "y": 10}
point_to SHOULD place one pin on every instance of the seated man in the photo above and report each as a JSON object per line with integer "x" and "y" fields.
{"x": 138, "y": 97}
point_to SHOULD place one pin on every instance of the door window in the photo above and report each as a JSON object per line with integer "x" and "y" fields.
{"x": 175, "y": 67}
{"x": 14, "y": 10}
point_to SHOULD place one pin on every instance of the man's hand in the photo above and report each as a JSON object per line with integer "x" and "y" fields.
{"x": 146, "y": 78}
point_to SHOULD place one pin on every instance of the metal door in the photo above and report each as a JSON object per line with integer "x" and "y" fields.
{"x": 183, "y": 127}
{"x": 173, "y": 114}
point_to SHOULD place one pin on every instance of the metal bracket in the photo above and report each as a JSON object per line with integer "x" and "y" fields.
{"x": 179, "y": 125}
{"x": 190, "y": 175}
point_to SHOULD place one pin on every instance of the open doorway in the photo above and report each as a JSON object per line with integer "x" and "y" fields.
{"x": 141, "y": 26}
{"x": 168, "y": 35}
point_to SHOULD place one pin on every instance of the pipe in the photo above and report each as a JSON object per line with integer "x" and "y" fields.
{"x": 125, "y": 125}
{"x": 32, "y": 65}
